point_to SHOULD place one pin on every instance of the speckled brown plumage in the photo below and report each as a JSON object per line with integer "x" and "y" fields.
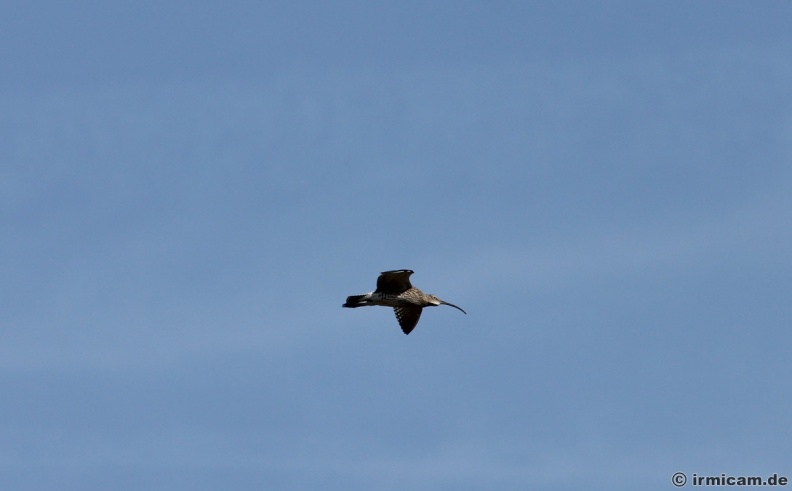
{"x": 395, "y": 290}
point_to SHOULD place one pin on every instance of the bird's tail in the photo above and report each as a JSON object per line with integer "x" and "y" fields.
{"x": 355, "y": 301}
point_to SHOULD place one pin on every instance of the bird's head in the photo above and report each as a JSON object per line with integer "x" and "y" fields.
{"x": 433, "y": 300}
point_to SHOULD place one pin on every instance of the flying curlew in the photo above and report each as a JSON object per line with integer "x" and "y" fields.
{"x": 394, "y": 290}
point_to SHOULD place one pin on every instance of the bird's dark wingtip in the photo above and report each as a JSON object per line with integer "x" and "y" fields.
{"x": 354, "y": 301}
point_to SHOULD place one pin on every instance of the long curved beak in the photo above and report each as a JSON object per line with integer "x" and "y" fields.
{"x": 452, "y": 305}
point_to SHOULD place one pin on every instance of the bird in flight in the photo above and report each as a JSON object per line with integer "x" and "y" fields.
{"x": 394, "y": 290}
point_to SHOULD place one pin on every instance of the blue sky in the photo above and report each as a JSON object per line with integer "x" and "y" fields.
{"x": 190, "y": 190}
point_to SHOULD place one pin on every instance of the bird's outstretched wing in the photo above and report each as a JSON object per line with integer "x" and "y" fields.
{"x": 408, "y": 316}
{"x": 397, "y": 281}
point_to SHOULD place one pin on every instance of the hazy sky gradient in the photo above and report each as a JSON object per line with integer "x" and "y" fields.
{"x": 190, "y": 190}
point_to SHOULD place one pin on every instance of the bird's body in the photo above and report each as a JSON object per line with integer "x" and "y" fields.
{"x": 394, "y": 290}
